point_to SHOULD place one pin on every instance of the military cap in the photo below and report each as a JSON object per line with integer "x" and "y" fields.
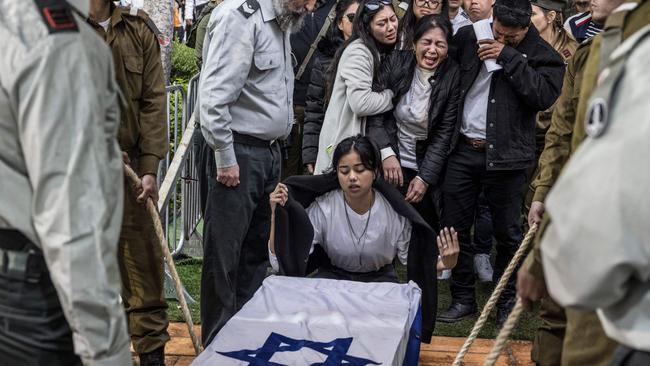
{"x": 556, "y": 5}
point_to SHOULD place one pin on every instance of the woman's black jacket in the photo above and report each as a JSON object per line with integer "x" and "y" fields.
{"x": 431, "y": 153}
{"x": 315, "y": 105}
{"x": 294, "y": 234}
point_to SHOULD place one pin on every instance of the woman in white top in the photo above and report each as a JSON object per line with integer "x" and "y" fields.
{"x": 356, "y": 225}
{"x": 350, "y": 94}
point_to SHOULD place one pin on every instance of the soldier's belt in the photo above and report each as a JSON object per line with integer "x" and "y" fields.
{"x": 250, "y": 140}
{"x": 22, "y": 265}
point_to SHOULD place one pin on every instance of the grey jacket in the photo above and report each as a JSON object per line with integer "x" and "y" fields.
{"x": 246, "y": 83}
{"x": 61, "y": 169}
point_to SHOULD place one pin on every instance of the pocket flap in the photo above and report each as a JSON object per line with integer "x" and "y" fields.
{"x": 133, "y": 64}
{"x": 267, "y": 60}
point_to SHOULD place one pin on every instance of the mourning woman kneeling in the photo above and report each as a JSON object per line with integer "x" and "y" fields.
{"x": 350, "y": 225}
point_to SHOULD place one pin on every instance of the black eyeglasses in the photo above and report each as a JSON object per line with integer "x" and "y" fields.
{"x": 431, "y": 4}
{"x": 350, "y": 17}
{"x": 373, "y": 5}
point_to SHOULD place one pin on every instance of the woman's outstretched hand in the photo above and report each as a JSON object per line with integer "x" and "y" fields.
{"x": 449, "y": 248}
{"x": 279, "y": 196}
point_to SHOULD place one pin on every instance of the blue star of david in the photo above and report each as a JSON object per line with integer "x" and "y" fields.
{"x": 335, "y": 350}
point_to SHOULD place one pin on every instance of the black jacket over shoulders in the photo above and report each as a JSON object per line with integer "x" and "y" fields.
{"x": 530, "y": 81}
{"x": 431, "y": 154}
{"x": 294, "y": 235}
{"x": 315, "y": 99}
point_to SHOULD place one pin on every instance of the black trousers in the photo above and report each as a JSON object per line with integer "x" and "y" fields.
{"x": 426, "y": 208}
{"x": 33, "y": 329}
{"x": 236, "y": 230}
{"x": 626, "y": 356}
{"x": 385, "y": 274}
{"x": 465, "y": 178}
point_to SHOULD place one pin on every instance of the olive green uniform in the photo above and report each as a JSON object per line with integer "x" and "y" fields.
{"x": 143, "y": 135}
{"x": 584, "y": 341}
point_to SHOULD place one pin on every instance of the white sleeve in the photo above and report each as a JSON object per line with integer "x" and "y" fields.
{"x": 318, "y": 222}
{"x": 403, "y": 241}
{"x": 189, "y": 9}
{"x": 274, "y": 262}
{"x": 356, "y": 71}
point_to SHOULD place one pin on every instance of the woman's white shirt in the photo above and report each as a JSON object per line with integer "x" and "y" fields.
{"x": 388, "y": 234}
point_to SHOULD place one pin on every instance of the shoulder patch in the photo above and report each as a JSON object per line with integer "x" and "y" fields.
{"x": 136, "y": 12}
{"x": 57, "y": 16}
{"x": 248, "y": 8}
{"x": 566, "y": 53}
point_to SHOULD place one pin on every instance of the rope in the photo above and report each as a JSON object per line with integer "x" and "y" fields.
{"x": 487, "y": 309}
{"x": 502, "y": 338}
{"x": 155, "y": 216}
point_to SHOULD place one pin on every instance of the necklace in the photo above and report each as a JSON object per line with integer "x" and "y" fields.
{"x": 357, "y": 240}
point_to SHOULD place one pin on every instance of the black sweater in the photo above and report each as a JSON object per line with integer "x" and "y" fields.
{"x": 294, "y": 234}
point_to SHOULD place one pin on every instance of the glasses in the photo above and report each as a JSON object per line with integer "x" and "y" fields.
{"x": 431, "y": 4}
{"x": 373, "y": 5}
{"x": 350, "y": 17}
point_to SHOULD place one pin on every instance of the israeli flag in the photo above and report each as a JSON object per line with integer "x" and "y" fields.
{"x": 308, "y": 321}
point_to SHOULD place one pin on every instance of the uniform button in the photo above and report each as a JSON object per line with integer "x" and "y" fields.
{"x": 493, "y": 101}
{"x": 491, "y": 164}
{"x": 491, "y": 124}
{"x": 491, "y": 146}
{"x": 525, "y": 55}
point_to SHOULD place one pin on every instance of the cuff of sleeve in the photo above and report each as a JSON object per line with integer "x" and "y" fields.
{"x": 540, "y": 193}
{"x": 507, "y": 54}
{"x": 148, "y": 164}
{"x": 273, "y": 260}
{"x": 386, "y": 153}
{"x": 422, "y": 180}
{"x": 225, "y": 158}
{"x": 123, "y": 357}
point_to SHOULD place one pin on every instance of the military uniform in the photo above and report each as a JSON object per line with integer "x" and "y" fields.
{"x": 245, "y": 103}
{"x": 585, "y": 341}
{"x": 595, "y": 253}
{"x": 143, "y": 135}
{"x": 61, "y": 209}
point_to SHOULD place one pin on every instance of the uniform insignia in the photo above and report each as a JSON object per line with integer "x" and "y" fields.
{"x": 248, "y": 8}
{"x": 566, "y": 53}
{"x": 57, "y": 16}
{"x": 597, "y": 114}
{"x": 163, "y": 40}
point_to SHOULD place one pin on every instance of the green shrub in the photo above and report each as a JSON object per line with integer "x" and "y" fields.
{"x": 183, "y": 64}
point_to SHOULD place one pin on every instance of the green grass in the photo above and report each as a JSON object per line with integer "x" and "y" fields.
{"x": 190, "y": 272}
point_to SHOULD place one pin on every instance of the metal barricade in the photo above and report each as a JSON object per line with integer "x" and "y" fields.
{"x": 180, "y": 208}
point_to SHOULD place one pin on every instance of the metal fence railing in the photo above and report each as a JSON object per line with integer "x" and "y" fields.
{"x": 180, "y": 208}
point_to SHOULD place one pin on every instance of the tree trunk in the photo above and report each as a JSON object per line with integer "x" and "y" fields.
{"x": 162, "y": 14}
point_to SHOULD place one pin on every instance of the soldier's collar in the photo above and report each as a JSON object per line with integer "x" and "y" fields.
{"x": 268, "y": 11}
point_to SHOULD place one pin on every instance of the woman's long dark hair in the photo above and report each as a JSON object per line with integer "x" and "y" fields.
{"x": 362, "y": 145}
{"x": 335, "y": 33}
{"x": 400, "y": 81}
{"x": 360, "y": 30}
{"x": 405, "y": 33}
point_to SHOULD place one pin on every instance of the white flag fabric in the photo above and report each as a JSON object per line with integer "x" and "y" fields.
{"x": 309, "y": 321}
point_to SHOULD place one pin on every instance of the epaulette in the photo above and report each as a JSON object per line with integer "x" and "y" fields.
{"x": 57, "y": 16}
{"x": 137, "y": 12}
{"x": 248, "y": 8}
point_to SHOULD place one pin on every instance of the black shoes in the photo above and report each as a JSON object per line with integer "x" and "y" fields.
{"x": 456, "y": 312}
{"x": 154, "y": 358}
{"x": 503, "y": 310}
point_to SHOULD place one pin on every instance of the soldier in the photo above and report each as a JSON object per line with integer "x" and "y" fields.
{"x": 596, "y": 252}
{"x": 142, "y": 136}
{"x": 547, "y": 19}
{"x": 585, "y": 341}
{"x": 245, "y": 102}
{"x": 61, "y": 209}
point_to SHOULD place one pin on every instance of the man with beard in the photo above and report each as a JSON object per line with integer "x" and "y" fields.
{"x": 245, "y": 101}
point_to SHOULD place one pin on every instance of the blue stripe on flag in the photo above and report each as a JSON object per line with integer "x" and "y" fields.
{"x": 412, "y": 355}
